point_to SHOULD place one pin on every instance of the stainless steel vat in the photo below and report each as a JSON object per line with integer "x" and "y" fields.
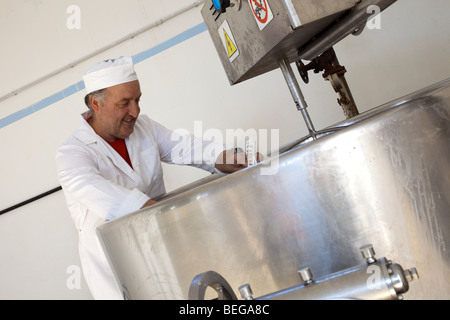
{"x": 383, "y": 178}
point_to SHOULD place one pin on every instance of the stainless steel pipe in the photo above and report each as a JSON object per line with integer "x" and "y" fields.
{"x": 297, "y": 95}
{"x": 379, "y": 279}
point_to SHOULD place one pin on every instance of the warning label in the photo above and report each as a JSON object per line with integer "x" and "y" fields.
{"x": 231, "y": 47}
{"x": 262, "y": 12}
{"x": 228, "y": 41}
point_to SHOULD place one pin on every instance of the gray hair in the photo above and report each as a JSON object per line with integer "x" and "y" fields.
{"x": 97, "y": 95}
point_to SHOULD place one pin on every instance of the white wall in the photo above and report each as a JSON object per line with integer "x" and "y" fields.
{"x": 182, "y": 84}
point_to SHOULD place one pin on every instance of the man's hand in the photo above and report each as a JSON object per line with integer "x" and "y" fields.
{"x": 230, "y": 161}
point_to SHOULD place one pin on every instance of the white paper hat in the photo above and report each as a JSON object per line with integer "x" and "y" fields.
{"x": 109, "y": 73}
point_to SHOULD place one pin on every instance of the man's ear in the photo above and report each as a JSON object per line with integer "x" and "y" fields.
{"x": 95, "y": 104}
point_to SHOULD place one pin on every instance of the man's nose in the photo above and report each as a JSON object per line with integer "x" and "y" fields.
{"x": 134, "y": 109}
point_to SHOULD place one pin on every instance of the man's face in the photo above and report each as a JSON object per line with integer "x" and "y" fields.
{"x": 116, "y": 116}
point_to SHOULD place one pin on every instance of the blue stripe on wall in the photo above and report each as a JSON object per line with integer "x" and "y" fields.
{"x": 77, "y": 87}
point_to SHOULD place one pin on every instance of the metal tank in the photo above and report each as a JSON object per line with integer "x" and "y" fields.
{"x": 380, "y": 178}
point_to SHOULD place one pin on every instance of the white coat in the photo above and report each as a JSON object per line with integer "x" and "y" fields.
{"x": 99, "y": 185}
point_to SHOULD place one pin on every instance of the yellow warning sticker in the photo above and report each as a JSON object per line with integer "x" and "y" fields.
{"x": 228, "y": 41}
{"x": 231, "y": 48}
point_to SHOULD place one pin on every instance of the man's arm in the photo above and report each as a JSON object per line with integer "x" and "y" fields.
{"x": 81, "y": 179}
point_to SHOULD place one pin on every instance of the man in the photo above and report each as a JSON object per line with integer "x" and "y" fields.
{"x": 111, "y": 165}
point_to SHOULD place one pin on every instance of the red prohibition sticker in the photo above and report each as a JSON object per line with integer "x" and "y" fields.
{"x": 262, "y": 12}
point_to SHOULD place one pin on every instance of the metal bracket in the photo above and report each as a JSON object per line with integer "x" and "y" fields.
{"x": 211, "y": 279}
{"x": 333, "y": 72}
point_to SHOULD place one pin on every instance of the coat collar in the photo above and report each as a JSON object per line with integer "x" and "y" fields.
{"x": 88, "y": 136}
{"x": 85, "y": 132}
